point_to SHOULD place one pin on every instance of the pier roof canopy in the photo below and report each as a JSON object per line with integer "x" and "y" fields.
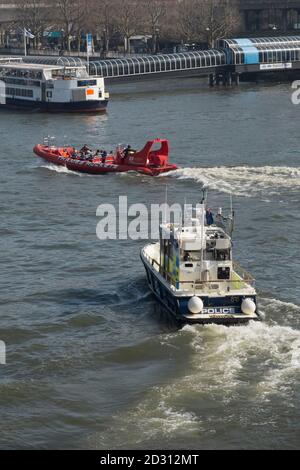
{"x": 259, "y": 42}
{"x": 158, "y": 63}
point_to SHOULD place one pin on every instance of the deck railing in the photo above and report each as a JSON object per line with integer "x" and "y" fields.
{"x": 240, "y": 279}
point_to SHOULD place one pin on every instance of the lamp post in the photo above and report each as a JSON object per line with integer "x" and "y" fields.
{"x": 208, "y": 37}
{"x": 62, "y": 40}
{"x": 156, "y": 37}
{"x": 104, "y": 42}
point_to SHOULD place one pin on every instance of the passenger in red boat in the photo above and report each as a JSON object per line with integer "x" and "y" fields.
{"x": 103, "y": 156}
{"x": 89, "y": 156}
{"x": 85, "y": 153}
{"x": 98, "y": 153}
{"x": 84, "y": 149}
{"x": 127, "y": 150}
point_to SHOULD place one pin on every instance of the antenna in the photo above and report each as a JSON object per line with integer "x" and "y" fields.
{"x": 166, "y": 202}
{"x": 231, "y": 228}
{"x": 204, "y": 196}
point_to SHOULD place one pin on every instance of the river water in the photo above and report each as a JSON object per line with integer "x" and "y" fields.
{"x": 92, "y": 362}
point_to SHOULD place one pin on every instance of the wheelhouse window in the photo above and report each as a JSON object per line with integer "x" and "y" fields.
{"x": 84, "y": 83}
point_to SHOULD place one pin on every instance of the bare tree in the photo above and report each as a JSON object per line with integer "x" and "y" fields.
{"x": 207, "y": 20}
{"x": 219, "y": 18}
{"x": 154, "y": 12}
{"x": 170, "y": 29}
{"x": 33, "y": 16}
{"x": 129, "y": 14}
{"x": 174, "y": 20}
{"x": 106, "y": 20}
{"x": 71, "y": 15}
{"x": 190, "y": 19}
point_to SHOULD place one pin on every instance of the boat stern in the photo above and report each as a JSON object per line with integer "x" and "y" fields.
{"x": 228, "y": 310}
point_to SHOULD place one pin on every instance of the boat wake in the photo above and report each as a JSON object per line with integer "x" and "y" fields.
{"x": 286, "y": 313}
{"x": 243, "y": 180}
{"x": 224, "y": 369}
{"x": 60, "y": 169}
{"x": 272, "y": 350}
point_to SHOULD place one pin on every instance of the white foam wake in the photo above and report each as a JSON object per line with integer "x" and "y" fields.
{"x": 244, "y": 180}
{"x": 272, "y": 350}
{"x": 272, "y": 304}
{"x": 223, "y": 366}
{"x": 59, "y": 169}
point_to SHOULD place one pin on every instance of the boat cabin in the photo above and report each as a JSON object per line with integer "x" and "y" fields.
{"x": 197, "y": 254}
{"x": 192, "y": 273}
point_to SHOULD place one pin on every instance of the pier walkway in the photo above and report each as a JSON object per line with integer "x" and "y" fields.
{"x": 225, "y": 63}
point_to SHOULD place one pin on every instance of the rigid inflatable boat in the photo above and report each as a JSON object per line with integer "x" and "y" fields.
{"x": 152, "y": 160}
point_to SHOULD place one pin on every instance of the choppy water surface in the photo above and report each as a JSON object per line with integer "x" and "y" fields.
{"x": 91, "y": 360}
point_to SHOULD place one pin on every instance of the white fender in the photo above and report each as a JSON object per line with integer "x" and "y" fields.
{"x": 248, "y": 307}
{"x": 195, "y": 305}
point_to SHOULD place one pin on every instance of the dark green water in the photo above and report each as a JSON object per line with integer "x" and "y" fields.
{"x": 91, "y": 360}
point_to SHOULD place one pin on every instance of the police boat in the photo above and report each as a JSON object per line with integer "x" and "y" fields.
{"x": 191, "y": 271}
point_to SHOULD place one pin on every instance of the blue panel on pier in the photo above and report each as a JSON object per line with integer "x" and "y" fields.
{"x": 250, "y": 51}
{"x": 251, "y": 55}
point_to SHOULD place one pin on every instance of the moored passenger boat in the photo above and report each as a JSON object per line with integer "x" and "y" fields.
{"x": 192, "y": 273}
{"x": 50, "y": 88}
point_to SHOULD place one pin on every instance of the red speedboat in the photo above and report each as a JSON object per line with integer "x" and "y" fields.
{"x": 150, "y": 160}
